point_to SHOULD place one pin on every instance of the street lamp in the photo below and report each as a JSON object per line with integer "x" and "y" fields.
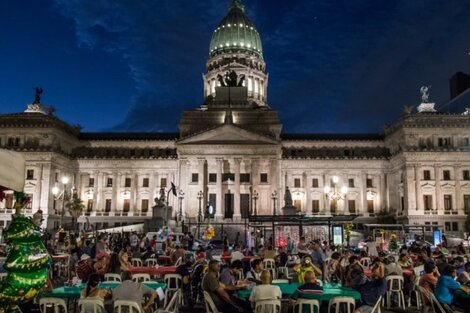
{"x": 255, "y": 198}
{"x": 200, "y": 196}
{"x": 274, "y": 198}
{"x": 61, "y": 194}
{"x": 335, "y": 194}
{"x": 180, "y": 213}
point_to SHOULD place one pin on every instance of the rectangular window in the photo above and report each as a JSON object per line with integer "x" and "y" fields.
{"x": 145, "y": 182}
{"x": 109, "y": 182}
{"x": 244, "y": 178}
{"x": 91, "y": 182}
{"x": 212, "y": 177}
{"x": 194, "y": 177}
{"x": 446, "y": 175}
{"x": 443, "y": 142}
{"x": 370, "y": 206}
{"x": 351, "y": 183}
{"x": 315, "y": 182}
{"x": 447, "y": 202}
{"x": 127, "y": 205}
{"x": 127, "y": 182}
{"x": 107, "y": 206}
{"x": 298, "y": 205}
{"x": 402, "y": 203}
{"x": 466, "y": 175}
{"x": 228, "y": 212}
{"x": 426, "y": 175}
{"x": 466, "y": 142}
{"x": 162, "y": 182}
{"x": 315, "y": 206}
{"x": 369, "y": 183}
{"x": 145, "y": 205}
{"x": 228, "y": 176}
{"x": 455, "y": 226}
{"x": 245, "y": 205}
{"x": 30, "y": 174}
{"x": 264, "y": 178}
{"x": 448, "y": 226}
{"x": 297, "y": 183}
{"x": 333, "y": 206}
{"x": 212, "y": 202}
{"x": 352, "y": 206}
{"x": 427, "y": 228}
{"x": 56, "y": 178}
{"x": 89, "y": 205}
{"x": 466, "y": 203}
{"x": 427, "y": 201}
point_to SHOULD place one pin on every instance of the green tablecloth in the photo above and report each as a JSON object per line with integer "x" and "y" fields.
{"x": 329, "y": 292}
{"x": 74, "y": 292}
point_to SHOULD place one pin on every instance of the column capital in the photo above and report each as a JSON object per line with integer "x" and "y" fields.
{"x": 237, "y": 161}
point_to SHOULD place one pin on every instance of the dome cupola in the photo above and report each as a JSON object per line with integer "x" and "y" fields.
{"x": 236, "y": 33}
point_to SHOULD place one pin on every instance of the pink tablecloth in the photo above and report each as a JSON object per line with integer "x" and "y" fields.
{"x": 161, "y": 270}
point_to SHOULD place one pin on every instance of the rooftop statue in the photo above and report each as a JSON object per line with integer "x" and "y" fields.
{"x": 37, "y": 97}
{"x": 425, "y": 94}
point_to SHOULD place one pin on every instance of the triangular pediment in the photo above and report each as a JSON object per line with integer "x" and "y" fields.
{"x": 228, "y": 134}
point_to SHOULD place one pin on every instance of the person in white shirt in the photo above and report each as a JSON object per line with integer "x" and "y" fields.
{"x": 237, "y": 254}
{"x": 254, "y": 275}
{"x": 265, "y": 291}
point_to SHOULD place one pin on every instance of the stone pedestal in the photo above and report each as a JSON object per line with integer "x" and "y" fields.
{"x": 289, "y": 210}
{"x": 158, "y": 218}
{"x": 426, "y": 108}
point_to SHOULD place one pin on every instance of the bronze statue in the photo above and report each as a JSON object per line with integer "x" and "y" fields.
{"x": 37, "y": 97}
{"x": 242, "y": 79}
{"x": 220, "y": 78}
{"x": 231, "y": 79}
{"x": 288, "y": 197}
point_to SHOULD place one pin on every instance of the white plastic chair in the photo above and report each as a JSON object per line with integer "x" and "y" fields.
{"x": 173, "y": 284}
{"x": 136, "y": 262}
{"x": 129, "y": 306}
{"x": 56, "y": 303}
{"x": 3, "y": 276}
{"x": 172, "y": 306}
{"x": 268, "y": 306}
{"x": 150, "y": 262}
{"x": 338, "y": 301}
{"x": 395, "y": 286}
{"x": 112, "y": 277}
{"x": 280, "y": 281}
{"x": 209, "y": 303}
{"x": 139, "y": 278}
{"x": 89, "y": 305}
{"x": 310, "y": 303}
{"x": 365, "y": 262}
{"x": 376, "y": 308}
{"x": 179, "y": 261}
{"x": 269, "y": 263}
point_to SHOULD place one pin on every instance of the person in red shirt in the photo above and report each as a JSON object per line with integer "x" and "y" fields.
{"x": 153, "y": 242}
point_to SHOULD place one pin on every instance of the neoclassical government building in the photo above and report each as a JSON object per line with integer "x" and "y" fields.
{"x": 231, "y": 153}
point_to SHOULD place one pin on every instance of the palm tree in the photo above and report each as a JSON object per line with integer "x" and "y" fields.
{"x": 75, "y": 207}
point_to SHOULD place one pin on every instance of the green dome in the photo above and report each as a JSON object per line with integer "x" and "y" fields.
{"x": 236, "y": 33}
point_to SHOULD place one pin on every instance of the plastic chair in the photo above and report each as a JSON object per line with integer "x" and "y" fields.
{"x": 139, "y": 278}
{"x": 179, "y": 261}
{"x": 268, "y": 306}
{"x": 310, "y": 303}
{"x": 376, "y": 308}
{"x": 130, "y": 306}
{"x": 365, "y": 262}
{"x": 151, "y": 262}
{"x": 395, "y": 286}
{"x": 172, "y": 306}
{"x": 210, "y": 305}
{"x": 173, "y": 284}
{"x": 112, "y": 277}
{"x": 280, "y": 281}
{"x": 3, "y": 276}
{"x": 269, "y": 263}
{"x": 136, "y": 262}
{"x": 338, "y": 301}
{"x": 416, "y": 293}
{"x": 435, "y": 304}
{"x": 56, "y": 303}
{"x": 88, "y": 305}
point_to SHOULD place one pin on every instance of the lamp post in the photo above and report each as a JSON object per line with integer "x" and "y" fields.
{"x": 274, "y": 198}
{"x": 335, "y": 193}
{"x": 200, "y": 196}
{"x": 255, "y": 198}
{"x": 58, "y": 194}
{"x": 180, "y": 212}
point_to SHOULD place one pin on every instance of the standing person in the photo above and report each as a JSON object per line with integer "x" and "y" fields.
{"x": 237, "y": 239}
{"x": 265, "y": 291}
{"x": 220, "y": 297}
{"x": 372, "y": 247}
{"x": 190, "y": 242}
{"x": 302, "y": 248}
{"x": 133, "y": 291}
{"x": 134, "y": 240}
{"x": 318, "y": 256}
{"x": 290, "y": 245}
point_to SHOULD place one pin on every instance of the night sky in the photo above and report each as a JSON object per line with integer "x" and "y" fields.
{"x": 335, "y": 66}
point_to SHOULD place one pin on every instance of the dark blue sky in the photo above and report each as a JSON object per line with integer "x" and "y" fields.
{"x": 336, "y": 66}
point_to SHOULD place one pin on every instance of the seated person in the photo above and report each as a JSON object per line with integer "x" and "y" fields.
{"x": 429, "y": 280}
{"x": 446, "y": 287}
{"x": 306, "y": 265}
{"x": 464, "y": 277}
{"x": 237, "y": 254}
{"x": 84, "y": 267}
{"x": 391, "y": 267}
{"x": 404, "y": 261}
{"x": 226, "y": 252}
{"x": 265, "y": 291}
{"x": 124, "y": 264}
{"x": 370, "y": 290}
{"x": 254, "y": 274}
{"x": 101, "y": 264}
{"x": 216, "y": 290}
{"x": 333, "y": 273}
{"x": 133, "y": 291}
{"x": 229, "y": 275}
{"x": 282, "y": 257}
{"x": 311, "y": 286}
{"x": 93, "y": 291}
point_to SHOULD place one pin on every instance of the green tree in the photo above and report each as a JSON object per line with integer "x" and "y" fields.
{"x": 75, "y": 207}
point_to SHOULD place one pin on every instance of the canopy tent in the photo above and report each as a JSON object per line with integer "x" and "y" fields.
{"x": 12, "y": 166}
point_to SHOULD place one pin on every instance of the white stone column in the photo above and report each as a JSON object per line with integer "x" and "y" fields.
{"x": 99, "y": 193}
{"x": 37, "y": 191}
{"x": 439, "y": 201}
{"x": 219, "y": 214}
{"x": 275, "y": 185}
{"x": 236, "y": 200}
{"x": 183, "y": 182}
{"x": 117, "y": 194}
{"x": 382, "y": 191}
{"x": 363, "y": 191}
{"x": 419, "y": 197}
{"x": 458, "y": 202}
{"x": 135, "y": 193}
{"x": 308, "y": 193}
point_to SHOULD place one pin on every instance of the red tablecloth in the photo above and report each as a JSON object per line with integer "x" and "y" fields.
{"x": 161, "y": 270}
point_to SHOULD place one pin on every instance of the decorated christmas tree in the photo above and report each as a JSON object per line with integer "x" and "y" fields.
{"x": 27, "y": 260}
{"x": 393, "y": 243}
